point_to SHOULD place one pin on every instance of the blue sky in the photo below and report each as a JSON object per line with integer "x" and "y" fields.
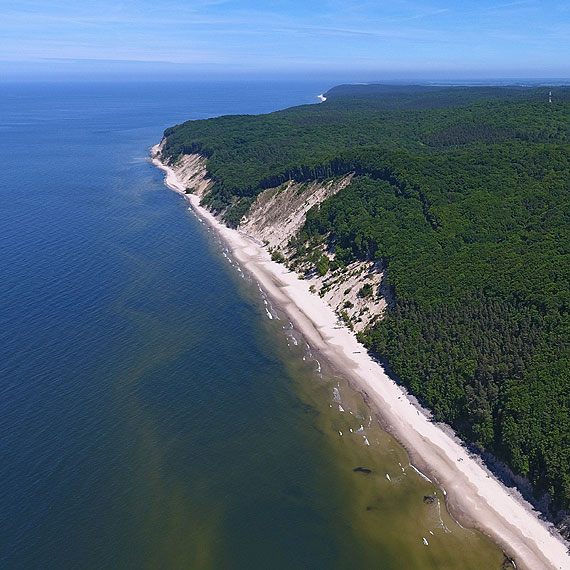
{"x": 369, "y": 40}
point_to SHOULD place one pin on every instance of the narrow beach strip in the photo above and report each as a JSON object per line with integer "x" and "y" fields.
{"x": 474, "y": 496}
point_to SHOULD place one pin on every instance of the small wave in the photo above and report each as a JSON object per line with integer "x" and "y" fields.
{"x": 422, "y": 475}
{"x": 291, "y": 339}
{"x": 336, "y": 395}
{"x": 441, "y": 523}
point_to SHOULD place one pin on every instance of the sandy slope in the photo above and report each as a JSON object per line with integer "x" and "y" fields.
{"x": 474, "y": 496}
{"x": 279, "y": 213}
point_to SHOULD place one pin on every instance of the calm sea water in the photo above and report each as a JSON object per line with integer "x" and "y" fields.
{"x": 151, "y": 414}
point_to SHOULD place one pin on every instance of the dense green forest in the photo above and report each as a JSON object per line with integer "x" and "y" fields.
{"x": 464, "y": 194}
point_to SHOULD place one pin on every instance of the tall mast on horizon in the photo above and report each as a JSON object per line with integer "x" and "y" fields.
{"x": 550, "y": 96}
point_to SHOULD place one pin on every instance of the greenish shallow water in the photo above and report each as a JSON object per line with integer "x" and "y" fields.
{"x": 151, "y": 414}
{"x": 383, "y": 516}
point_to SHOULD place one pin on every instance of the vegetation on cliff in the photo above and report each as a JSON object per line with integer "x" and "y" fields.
{"x": 464, "y": 195}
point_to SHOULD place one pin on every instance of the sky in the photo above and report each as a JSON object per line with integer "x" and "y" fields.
{"x": 361, "y": 40}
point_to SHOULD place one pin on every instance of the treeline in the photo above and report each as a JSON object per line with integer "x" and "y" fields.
{"x": 477, "y": 245}
{"x": 480, "y": 323}
{"x": 245, "y": 152}
{"x": 496, "y": 370}
{"x": 464, "y": 196}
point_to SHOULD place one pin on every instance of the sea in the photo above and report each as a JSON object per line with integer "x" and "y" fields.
{"x": 156, "y": 410}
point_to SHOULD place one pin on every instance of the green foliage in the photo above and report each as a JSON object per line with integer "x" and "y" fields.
{"x": 346, "y": 319}
{"x": 477, "y": 246}
{"x": 323, "y": 265}
{"x": 305, "y": 141}
{"x": 462, "y": 193}
{"x": 277, "y": 256}
{"x": 237, "y": 211}
{"x": 366, "y": 291}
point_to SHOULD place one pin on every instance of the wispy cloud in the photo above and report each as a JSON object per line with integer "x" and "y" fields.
{"x": 236, "y": 32}
{"x": 513, "y": 4}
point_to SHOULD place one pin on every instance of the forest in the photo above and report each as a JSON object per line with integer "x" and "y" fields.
{"x": 463, "y": 193}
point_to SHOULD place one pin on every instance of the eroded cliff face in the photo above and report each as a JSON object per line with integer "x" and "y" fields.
{"x": 191, "y": 170}
{"x": 279, "y": 213}
{"x": 193, "y": 173}
{"x": 357, "y": 293}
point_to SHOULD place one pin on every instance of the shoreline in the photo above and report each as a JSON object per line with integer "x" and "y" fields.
{"x": 473, "y": 495}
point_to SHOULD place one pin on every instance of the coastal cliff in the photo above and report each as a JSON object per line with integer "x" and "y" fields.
{"x": 449, "y": 196}
{"x": 357, "y": 292}
{"x": 472, "y": 494}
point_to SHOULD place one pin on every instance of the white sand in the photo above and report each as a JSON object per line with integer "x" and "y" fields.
{"x": 474, "y": 495}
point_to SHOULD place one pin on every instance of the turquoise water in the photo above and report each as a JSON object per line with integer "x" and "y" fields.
{"x": 151, "y": 415}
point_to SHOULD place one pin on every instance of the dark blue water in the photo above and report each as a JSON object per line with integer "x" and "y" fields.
{"x": 120, "y": 328}
{"x": 149, "y": 418}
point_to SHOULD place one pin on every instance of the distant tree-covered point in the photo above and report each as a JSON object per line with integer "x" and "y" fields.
{"x": 463, "y": 194}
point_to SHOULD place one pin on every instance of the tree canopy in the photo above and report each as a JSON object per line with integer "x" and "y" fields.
{"x": 464, "y": 195}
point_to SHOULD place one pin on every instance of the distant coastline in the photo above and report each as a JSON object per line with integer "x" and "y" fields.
{"x": 474, "y": 496}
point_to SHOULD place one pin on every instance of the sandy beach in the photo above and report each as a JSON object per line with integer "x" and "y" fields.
{"x": 474, "y": 496}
